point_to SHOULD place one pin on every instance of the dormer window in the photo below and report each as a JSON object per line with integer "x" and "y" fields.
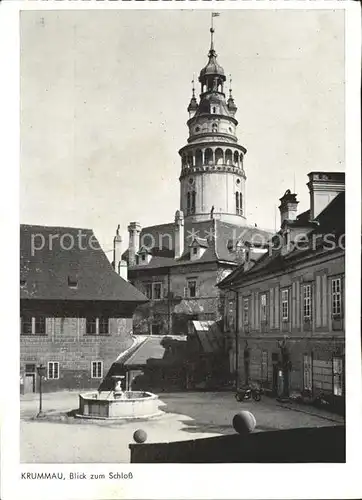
{"x": 72, "y": 282}
{"x": 144, "y": 256}
{"x": 194, "y": 250}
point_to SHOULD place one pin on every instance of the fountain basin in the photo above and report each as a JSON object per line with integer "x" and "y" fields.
{"x": 111, "y": 405}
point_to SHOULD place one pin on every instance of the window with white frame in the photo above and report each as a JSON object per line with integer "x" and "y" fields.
{"x": 336, "y": 297}
{"x": 148, "y": 290}
{"x": 263, "y": 308}
{"x": 246, "y": 311}
{"x": 97, "y": 325}
{"x": 33, "y": 325}
{"x": 97, "y": 369}
{"x": 285, "y": 304}
{"x": 307, "y": 302}
{"x": 154, "y": 290}
{"x": 337, "y": 363}
{"x": 191, "y": 288}
{"x": 157, "y": 291}
{"x": 53, "y": 370}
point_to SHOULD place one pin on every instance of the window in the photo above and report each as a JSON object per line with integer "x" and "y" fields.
{"x": 26, "y": 325}
{"x": 191, "y": 288}
{"x": 148, "y": 290}
{"x": 307, "y": 372}
{"x": 39, "y": 325}
{"x": 53, "y": 370}
{"x": 33, "y": 325}
{"x": 337, "y": 376}
{"x": 143, "y": 257}
{"x": 157, "y": 291}
{"x": 194, "y": 250}
{"x": 336, "y": 297}
{"x": 263, "y": 308}
{"x": 307, "y": 302}
{"x": 97, "y": 369}
{"x": 246, "y": 311}
{"x": 103, "y": 326}
{"x": 239, "y": 203}
{"x": 153, "y": 291}
{"x": 285, "y": 305}
{"x": 191, "y": 202}
{"x": 97, "y": 326}
{"x": 72, "y": 282}
{"x": 264, "y": 366}
{"x": 91, "y": 326}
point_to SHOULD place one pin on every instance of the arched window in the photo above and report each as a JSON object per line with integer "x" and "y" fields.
{"x": 214, "y": 127}
{"x": 219, "y": 156}
{"x": 190, "y": 160}
{"x": 236, "y": 158}
{"x": 228, "y": 157}
{"x": 239, "y": 203}
{"x": 214, "y": 109}
{"x": 198, "y": 157}
{"x": 209, "y": 156}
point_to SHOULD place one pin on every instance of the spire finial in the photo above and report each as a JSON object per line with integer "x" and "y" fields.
{"x": 212, "y": 30}
{"x": 193, "y": 85}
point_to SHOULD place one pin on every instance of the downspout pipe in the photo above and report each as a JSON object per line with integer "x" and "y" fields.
{"x": 236, "y": 337}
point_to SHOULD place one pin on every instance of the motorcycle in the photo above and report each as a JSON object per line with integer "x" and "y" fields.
{"x": 248, "y": 393}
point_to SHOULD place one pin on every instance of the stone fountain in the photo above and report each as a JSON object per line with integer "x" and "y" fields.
{"x": 118, "y": 403}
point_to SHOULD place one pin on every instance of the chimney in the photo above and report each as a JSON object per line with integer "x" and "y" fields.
{"x": 288, "y": 207}
{"x": 179, "y": 233}
{"x": 119, "y": 265}
{"x": 134, "y": 230}
{"x": 323, "y": 187}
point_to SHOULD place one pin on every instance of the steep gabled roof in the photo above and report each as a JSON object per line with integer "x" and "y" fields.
{"x": 67, "y": 263}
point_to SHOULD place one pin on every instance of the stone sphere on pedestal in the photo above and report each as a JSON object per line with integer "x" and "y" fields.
{"x": 244, "y": 422}
{"x": 139, "y": 436}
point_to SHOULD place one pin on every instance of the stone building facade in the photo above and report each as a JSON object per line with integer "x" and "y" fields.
{"x": 285, "y": 315}
{"x": 75, "y": 311}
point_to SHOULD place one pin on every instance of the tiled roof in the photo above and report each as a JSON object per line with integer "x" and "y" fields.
{"x": 66, "y": 263}
{"x": 213, "y": 234}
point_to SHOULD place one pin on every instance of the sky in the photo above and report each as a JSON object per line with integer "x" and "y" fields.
{"x": 104, "y": 98}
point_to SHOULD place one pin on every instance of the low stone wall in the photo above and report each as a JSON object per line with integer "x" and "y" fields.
{"x": 134, "y": 405}
{"x": 303, "y": 445}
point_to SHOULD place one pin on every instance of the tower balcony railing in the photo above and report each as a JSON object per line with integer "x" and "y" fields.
{"x": 212, "y": 167}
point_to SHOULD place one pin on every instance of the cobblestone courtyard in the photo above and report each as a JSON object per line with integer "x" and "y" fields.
{"x": 187, "y": 416}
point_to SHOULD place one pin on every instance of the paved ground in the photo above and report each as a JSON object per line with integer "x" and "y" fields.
{"x": 187, "y": 416}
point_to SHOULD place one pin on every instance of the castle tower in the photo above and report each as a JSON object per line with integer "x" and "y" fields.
{"x": 212, "y": 180}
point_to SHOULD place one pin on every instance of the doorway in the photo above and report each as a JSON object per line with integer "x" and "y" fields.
{"x": 29, "y": 378}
